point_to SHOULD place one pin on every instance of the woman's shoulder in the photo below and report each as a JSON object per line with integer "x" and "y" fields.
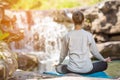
{"x": 70, "y": 32}
{"x": 87, "y": 32}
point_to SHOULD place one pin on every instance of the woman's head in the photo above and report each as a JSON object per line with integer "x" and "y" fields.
{"x": 77, "y": 17}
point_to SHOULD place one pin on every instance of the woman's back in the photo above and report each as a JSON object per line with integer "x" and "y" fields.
{"x": 79, "y": 51}
{"x": 79, "y": 44}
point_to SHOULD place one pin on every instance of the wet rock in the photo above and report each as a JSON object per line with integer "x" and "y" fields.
{"x": 25, "y": 75}
{"x": 111, "y": 49}
{"x": 109, "y": 11}
{"x": 115, "y": 38}
{"x": 39, "y": 42}
{"x": 107, "y": 6}
{"x": 103, "y": 20}
{"x": 99, "y": 38}
{"x": 62, "y": 16}
{"x": 8, "y": 61}
{"x": 26, "y": 61}
{"x": 77, "y": 78}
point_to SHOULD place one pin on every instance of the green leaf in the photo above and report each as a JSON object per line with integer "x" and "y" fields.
{"x": 1, "y": 33}
{"x": 3, "y": 36}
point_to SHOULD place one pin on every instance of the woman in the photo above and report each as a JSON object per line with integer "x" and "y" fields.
{"x": 78, "y": 44}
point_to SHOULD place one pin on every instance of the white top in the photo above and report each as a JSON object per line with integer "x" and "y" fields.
{"x": 79, "y": 44}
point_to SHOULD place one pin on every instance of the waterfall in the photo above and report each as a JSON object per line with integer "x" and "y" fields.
{"x": 42, "y": 37}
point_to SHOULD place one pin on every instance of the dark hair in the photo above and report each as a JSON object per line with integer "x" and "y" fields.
{"x": 77, "y": 17}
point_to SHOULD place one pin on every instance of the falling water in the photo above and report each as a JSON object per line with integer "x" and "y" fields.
{"x": 42, "y": 37}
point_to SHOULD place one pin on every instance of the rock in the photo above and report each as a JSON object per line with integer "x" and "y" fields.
{"x": 99, "y": 38}
{"x": 62, "y": 16}
{"x": 38, "y": 42}
{"x": 103, "y": 20}
{"x": 3, "y": 71}
{"x": 25, "y": 75}
{"x": 109, "y": 11}
{"x": 72, "y": 74}
{"x": 107, "y": 6}
{"x": 26, "y": 61}
{"x": 77, "y": 78}
{"x": 111, "y": 49}
{"x": 8, "y": 61}
{"x": 115, "y": 38}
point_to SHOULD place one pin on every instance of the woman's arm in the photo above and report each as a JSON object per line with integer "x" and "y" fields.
{"x": 64, "y": 49}
{"x": 94, "y": 49}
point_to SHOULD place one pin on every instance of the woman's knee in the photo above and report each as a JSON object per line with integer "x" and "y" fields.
{"x": 105, "y": 64}
{"x": 62, "y": 69}
{"x": 100, "y": 66}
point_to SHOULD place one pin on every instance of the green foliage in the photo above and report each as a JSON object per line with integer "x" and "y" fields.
{"x": 114, "y": 69}
{"x": 3, "y": 35}
{"x": 10, "y": 2}
{"x": 94, "y": 2}
{"x": 59, "y": 4}
{"x": 28, "y": 4}
{"x": 48, "y": 4}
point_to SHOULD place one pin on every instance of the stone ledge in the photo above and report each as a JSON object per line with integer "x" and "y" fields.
{"x": 78, "y": 78}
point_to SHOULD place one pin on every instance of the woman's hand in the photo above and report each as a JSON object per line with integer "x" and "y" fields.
{"x": 108, "y": 59}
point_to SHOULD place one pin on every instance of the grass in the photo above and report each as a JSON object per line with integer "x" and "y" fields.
{"x": 114, "y": 69}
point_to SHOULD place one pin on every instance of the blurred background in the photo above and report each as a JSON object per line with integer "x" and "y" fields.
{"x": 47, "y": 4}
{"x": 32, "y": 30}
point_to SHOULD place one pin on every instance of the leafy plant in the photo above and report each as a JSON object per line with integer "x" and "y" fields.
{"x": 3, "y": 35}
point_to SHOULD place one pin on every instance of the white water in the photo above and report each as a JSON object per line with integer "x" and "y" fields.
{"x": 43, "y": 39}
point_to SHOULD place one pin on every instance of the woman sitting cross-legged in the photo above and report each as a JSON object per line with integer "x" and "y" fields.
{"x": 78, "y": 44}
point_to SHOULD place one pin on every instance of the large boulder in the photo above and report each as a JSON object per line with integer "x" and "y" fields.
{"x": 111, "y": 49}
{"x": 105, "y": 20}
{"x": 27, "y": 62}
{"x": 77, "y": 78}
{"x": 8, "y": 61}
{"x": 28, "y": 75}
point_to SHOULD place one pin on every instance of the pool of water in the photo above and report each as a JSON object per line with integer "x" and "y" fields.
{"x": 114, "y": 69}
